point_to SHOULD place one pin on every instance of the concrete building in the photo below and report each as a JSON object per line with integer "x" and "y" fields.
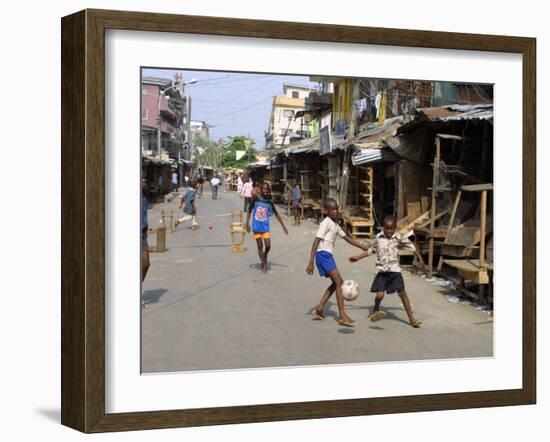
{"x": 200, "y": 128}
{"x": 283, "y": 125}
{"x": 174, "y": 114}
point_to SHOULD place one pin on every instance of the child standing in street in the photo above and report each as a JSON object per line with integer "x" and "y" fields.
{"x": 389, "y": 278}
{"x": 261, "y": 208}
{"x": 189, "y": 207}
{"x": 246, "y": 193}
{"x": 322, "y": 252}
{"x": 297, "y": 203}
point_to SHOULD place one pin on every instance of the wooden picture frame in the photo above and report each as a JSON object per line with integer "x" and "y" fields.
{"x": 83, "y": 215}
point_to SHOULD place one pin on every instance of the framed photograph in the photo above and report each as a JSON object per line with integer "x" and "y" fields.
{"x": 268, "y": 221}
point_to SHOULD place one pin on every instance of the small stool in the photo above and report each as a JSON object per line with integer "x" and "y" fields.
{"x": 237, "y": 242}
{"x": 170, "y": 224}
{"x": 237, "y": 217}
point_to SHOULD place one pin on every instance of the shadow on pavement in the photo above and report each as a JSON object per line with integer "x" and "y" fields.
{"x": 152, "y": 296}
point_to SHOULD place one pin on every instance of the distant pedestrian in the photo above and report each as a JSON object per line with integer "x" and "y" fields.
{"x": 322, "y": 251}
{"x": 239, "y": 184}
{"x": 186, "y": 181}
{"x": 189, "y": 206}
{"x": 297, "y": 203}
{"x": 246, "y": 193}
{"x": 145, "y": 262}
{"x": 174, "y": 182}
{"x": 214, "y": 183}
{"x": 200, "y": 184}
{"x": 261, "y": 208}
{"x": 389, "y": 278}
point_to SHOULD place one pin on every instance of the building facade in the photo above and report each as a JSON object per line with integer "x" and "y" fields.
{"x": 285, "y": 123}
{"x": 159, "y": 94}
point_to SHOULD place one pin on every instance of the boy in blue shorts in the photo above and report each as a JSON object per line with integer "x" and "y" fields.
{"x": 389, "y": 278}
{"x": 262, "y": 208}
{"x": 189, "y": 207}
{"x": 322, "y": 252}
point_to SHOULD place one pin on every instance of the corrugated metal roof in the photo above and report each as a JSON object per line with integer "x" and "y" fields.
{"x": 435, "y": 113}
{"x": 155, "y": 160}
{"x": 303, "y": 146}
{"x": 457, "y": 112}
{"x": 475, "y": 114}
{"x": 469, "y": 107}
{"x": 373, "y": 155}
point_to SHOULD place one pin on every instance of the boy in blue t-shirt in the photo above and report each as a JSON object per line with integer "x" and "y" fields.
{"x": 262, "y": 207}
{"x": 189, "y": 207}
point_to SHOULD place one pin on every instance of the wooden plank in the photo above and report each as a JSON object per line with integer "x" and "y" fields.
{"x": 405, "y": 228}
{"x": 435, "y": 218}
{"x": 435, "y": 234}
{"x": 469, "y": 270}
{"x": 449, "y": 137}
{"x": 483, "y": 228}
{"x": 453, "y": 215}
{"x": 477, "y": 187}
{"x": 413, "y": 210}
{"x": 424, "y": 204}
{"x": 432, "y": 217}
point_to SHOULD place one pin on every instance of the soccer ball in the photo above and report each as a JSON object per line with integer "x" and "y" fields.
{"x": 350, "y": 290}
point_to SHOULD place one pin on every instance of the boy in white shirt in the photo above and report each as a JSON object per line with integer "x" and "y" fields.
{"x": 322, "y": 252}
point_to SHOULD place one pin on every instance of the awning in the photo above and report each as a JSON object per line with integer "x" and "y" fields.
{"x": 457, "y": 112}
{"x": 154, "y": 160}
{"x": 306, "y": 145}
{"x": 373, "y": 155}
{"x": 257, "y": 165}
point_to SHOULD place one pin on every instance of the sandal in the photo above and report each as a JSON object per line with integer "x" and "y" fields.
{"x": 416, "y": 323}
{"x": 346, "y": 323}
{"x": 318, "y": 315}
{"x": 376, "y": 316}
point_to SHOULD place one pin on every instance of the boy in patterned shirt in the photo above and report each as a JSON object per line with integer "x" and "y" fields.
{"x": 389, "y": 278}
{"x": 262, "y": 207}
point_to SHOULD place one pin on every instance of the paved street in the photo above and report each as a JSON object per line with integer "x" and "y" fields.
{"x": 210, "y": 308}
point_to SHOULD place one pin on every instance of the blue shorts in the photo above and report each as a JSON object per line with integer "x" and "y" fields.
{"x": 325, "y": 262}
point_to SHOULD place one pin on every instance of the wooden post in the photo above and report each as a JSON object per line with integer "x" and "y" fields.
{"x": 302, "y": 186}
{"x": 345, "y": 179}
{"x": 398, "y": 183}
{"x": 356, "y": 185}
{"x": 450, "y": 226}
{"x": 453, "y": 215}
{"x": 480, "y": 297}
{"x": 432, "y": 215}
{"x": 424, "y": 204}
{"x": 168, "y": 220}
{"x": 286, "y": 186}
{"x": 483, "y": 229}
{"x": 161, "y": 239}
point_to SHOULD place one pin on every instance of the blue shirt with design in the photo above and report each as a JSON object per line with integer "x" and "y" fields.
{"x": 261, "y": 210}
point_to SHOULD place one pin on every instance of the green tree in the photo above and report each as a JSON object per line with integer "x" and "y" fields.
{"x": 239, "y": 143}
{"x": 207, "y": 152}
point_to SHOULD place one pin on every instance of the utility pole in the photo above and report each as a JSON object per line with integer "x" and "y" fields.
{"x": 162, "y": 93}
{"x": 355, "y": 95}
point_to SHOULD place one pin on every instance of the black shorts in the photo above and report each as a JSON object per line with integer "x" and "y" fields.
{"x": 389, "y": 282}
